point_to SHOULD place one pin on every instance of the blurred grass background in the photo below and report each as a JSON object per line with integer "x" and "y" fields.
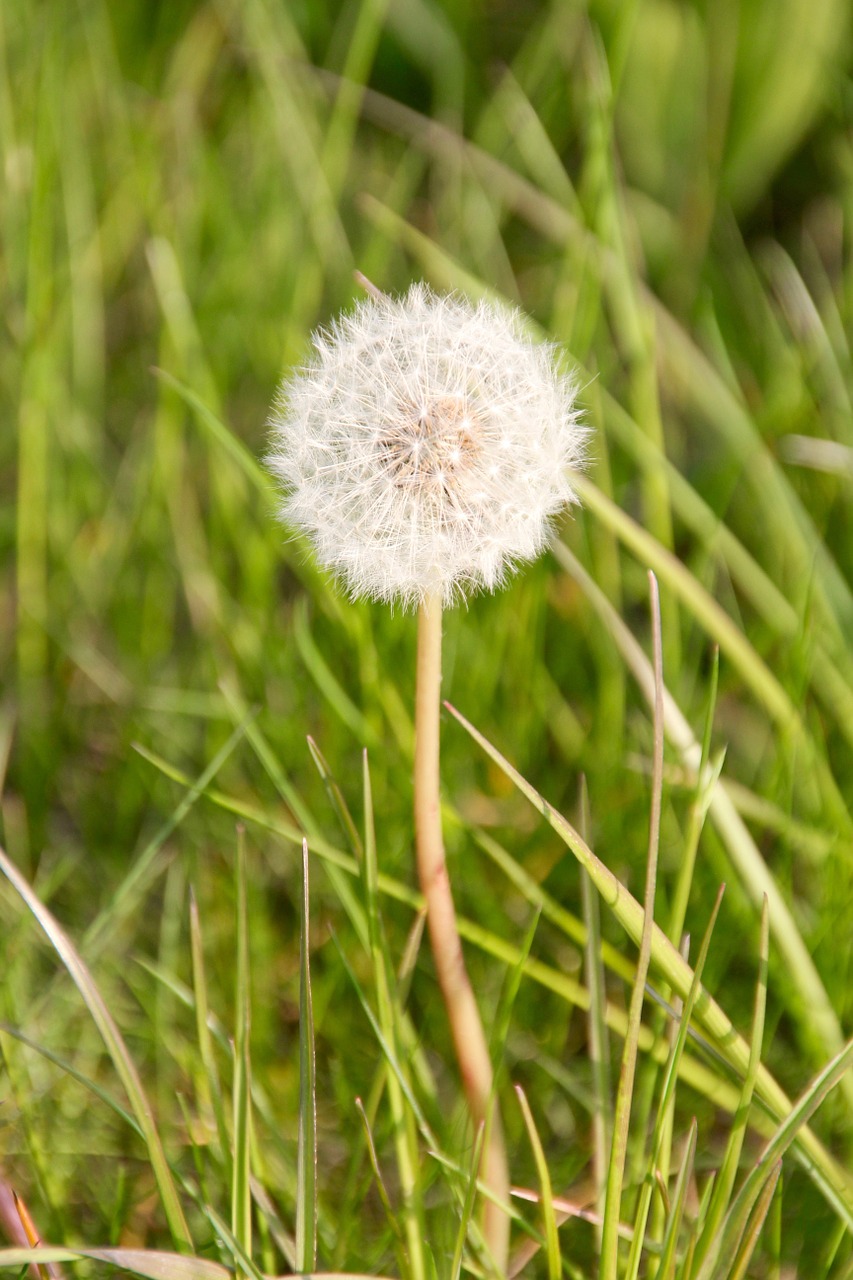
{"x": 666, "y": 188}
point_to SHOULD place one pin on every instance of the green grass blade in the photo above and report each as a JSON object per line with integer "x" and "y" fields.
{"x": 803, "y": 1110}
{"x": 404, "y": 1133}
{"x": 336, "y": 797}
{"x": 241, "y": 1194}
{"x": 70, "y": 1070}
{"x": 551, "y": 910}
{"x": 625, "y": 1088}
{"x": 428, "y": 1134}
{"x": 125, "y": 897}
{"x": 116, "y": 1048}
{"x": 666, "y": 1266}
{"x": 219, "y": 432}
{"x": 706, "y": 781}
{"x": 243, "y": 1263}
{"x": 205, "y": 1040}
{"x": 752, "y": 1230}
{"x": 667, "y": 1096}
{"x": 390, "y": 1214}
{"x": 306, "y": 1176}
{"x": 599, "y": 1044}
{"x": 466, "y": 1218}
{"x": 546, "y": 1193}
{"x": 708, "y": 1241}
{"x": 833, "y": 687}
{"x": 327, "y": 682}
{"x": 719, "y": 626}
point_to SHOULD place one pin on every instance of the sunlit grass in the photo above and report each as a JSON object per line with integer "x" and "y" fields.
{"x": 186, "y": 192}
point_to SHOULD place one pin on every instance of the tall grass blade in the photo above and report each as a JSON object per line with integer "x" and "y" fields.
{"x": 625, "y": 1088}
{"x": 763, "y": 1169}
{"x": 708, "y": 1241}
{"x": 390, "y": 1214}
{"x": 116, "y": 1048}
{"x": 241, "y": 1191}
{"x": 741, "y": 653}
{"x": 337, "y": 800}
{"x": 306, "y": 1172}
{"x": 546, "y": 1192}
{"x": 599, "y": 1045}
{"x": 466, "y": 1217}
{"x": 754, "y": 1225}
{"x": 667, "y": 1095}
{"x": 404, "y": 1131}
{"x": 667, "y": 1263}
{"x": 230, "y": 443}
{"x": 706, "y": 781}
{"x": 205, "y": 1040}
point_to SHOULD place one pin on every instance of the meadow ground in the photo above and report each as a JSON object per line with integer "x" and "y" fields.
{"x": 665, "y": 189}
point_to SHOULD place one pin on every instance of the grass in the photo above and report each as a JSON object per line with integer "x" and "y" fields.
{"x": 249, "y": 1071}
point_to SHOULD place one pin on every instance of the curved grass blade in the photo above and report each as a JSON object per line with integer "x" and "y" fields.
{"x": 336, "y": 797}
{"x": 125, "y": 896}
{"x": 243, "y": 1264}
{"x": 833, "y": 687}
{"x": 546, "y": 1192}
{"x": 115, "y": 1046}
{"x": 146, "y": 866}
{"x": 153, "y": 1264}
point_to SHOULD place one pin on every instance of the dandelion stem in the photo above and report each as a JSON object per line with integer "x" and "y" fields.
{"x": 469, "y": 1040}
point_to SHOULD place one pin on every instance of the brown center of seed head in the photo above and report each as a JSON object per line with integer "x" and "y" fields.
{"x": 429, "y": 444}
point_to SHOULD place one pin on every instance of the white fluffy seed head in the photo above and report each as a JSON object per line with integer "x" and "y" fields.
{"x": 423, "y": 448}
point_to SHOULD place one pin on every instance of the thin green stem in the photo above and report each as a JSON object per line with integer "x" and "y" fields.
{"x": 469, "y": 1040}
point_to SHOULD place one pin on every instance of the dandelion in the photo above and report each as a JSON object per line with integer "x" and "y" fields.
{"x": 424, "y": 450}
{"x": 424, "y": 447}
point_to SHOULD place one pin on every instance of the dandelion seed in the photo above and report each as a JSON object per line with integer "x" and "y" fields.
{"x": 424, "y": 446}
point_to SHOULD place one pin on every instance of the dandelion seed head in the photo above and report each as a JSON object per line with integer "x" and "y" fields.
{"x": 423, "y": 448}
